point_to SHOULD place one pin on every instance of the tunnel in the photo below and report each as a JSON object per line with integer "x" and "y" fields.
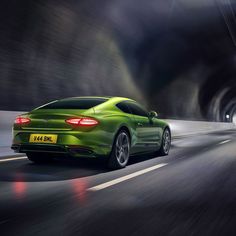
{"x": 78, "y": 157}
{"x": 175, "y": 56}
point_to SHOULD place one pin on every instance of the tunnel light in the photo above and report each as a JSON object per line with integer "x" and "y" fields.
{"x": 227, "y": 116}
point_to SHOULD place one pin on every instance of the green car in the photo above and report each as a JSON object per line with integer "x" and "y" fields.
{"x": 112, "y": 127}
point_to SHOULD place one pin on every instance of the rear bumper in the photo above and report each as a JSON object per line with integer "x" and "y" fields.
{"x": 91, "y": 144}
{"x": 71, "y": 150}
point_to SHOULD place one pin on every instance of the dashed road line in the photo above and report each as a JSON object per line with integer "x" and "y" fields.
{"x": 126, "y": 177}
{"x": 225, "y": 141}
{"x": 12, "y": 159}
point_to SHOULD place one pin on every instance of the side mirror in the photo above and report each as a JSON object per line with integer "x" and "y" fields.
{"x": 152, "y": 114}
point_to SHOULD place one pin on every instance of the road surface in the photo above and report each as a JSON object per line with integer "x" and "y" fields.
{"x": 190, "y": 192}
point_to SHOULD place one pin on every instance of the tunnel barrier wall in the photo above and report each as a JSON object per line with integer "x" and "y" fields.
{"x": 6, "y": 120}
{"x": 179, "y": 128}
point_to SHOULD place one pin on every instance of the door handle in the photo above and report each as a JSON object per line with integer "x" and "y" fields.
{"x": 140, "y": 124}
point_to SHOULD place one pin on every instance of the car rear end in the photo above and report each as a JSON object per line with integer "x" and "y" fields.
{"x": 64, "y": 128}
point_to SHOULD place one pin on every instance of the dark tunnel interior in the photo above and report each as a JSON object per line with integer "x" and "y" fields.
{"x": 176, "y": 56}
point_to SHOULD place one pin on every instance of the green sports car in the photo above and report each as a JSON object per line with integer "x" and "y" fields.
{"x": 112, "y": 127}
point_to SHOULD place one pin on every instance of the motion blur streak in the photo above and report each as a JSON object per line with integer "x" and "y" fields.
{"x": 52, "y": 50}
{"x": 177, "y": 56}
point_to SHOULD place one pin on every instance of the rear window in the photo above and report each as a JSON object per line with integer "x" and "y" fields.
{"x": 77, "y": 103}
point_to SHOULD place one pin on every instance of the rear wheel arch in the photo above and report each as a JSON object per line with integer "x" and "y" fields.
{"x": 125, "y": 128}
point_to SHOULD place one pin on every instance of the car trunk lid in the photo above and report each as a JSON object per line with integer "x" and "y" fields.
{"x": 53, "y": 119}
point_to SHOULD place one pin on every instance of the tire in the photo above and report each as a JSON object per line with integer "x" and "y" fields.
{"x": 119, "y": 156}
{"x": 40, "y": 158}
{"x": 165, "y": 143}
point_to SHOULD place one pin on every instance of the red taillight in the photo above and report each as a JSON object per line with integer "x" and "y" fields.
{"x": 82, "y": 121}
{"x": 22, "y": 120}
{"x": 73, "y": 121}
{"x": 88, "y": 122}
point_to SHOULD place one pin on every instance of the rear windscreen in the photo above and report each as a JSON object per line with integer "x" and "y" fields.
{"x": 78, "y": 103}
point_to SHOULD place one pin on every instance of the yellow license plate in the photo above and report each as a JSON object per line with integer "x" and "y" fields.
{"x": 43, "y": 138}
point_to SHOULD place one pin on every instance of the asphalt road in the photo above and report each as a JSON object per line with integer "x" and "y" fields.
{"x": 190, "y": 192}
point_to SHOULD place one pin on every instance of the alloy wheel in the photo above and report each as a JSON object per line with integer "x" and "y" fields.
{"x": 166, "y": 141}
{"x": 122, "y": 148}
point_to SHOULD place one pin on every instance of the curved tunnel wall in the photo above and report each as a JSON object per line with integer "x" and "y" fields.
{"x": 178, "y": 57}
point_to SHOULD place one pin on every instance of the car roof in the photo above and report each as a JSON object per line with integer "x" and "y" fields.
{"x": 104, "y": 97}
{"x": 110, "y": 98}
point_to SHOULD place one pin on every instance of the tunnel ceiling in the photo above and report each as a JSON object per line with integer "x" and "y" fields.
{"x": 177, "y": 56}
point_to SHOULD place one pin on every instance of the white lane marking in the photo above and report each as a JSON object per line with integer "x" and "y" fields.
{"x": 223, "y": 142}
{"x": 126, "y": 177}
{"x": 12, "y": 159}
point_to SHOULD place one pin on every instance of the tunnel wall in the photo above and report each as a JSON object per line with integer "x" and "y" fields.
{"x": 51, "y": 50}
{"x": 175, "y": 56}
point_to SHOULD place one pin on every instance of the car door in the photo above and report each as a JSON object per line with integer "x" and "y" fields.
{"x": 147, "y": 130}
